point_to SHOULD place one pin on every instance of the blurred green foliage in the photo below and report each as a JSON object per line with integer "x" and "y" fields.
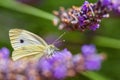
{"x": 43, "y": 27}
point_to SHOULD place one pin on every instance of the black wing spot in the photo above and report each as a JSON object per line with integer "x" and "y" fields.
{"x": 21, "y": 41}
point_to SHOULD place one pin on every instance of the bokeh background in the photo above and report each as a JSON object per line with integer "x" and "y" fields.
{"x": 73, "y": 40}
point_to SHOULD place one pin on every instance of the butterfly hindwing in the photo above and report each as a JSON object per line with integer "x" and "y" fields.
{"x": 30, "y": 52}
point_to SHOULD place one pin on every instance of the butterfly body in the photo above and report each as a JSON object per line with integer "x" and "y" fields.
{"x": 28, "y": 46}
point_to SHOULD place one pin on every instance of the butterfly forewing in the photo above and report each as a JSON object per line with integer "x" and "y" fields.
{"x": 20, "y": 38}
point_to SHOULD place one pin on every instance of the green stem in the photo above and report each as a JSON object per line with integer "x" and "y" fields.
{"x": 14, "y": 5}
{"x": 94, "y": 76}
{"x": 107, "y": 42}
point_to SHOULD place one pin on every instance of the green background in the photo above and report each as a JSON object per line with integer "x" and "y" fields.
{"x": 109, "y": 30}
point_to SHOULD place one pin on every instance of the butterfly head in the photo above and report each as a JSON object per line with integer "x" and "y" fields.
{"x": 50, "y": 50}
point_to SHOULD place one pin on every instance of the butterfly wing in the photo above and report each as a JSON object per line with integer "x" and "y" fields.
{"x": 20, "y": 38}
{"x": 25, "y": 43}
{"x": 28, "y": 52}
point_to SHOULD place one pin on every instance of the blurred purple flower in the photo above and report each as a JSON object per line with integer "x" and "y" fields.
{"x": 67, "y": 55}
{"x": 111, "y": 4}
{"x": 88, "y": 50}
{"x": 44, "y": 64}
{"x": 60, "y": 56}
{"x": 60, "y": 71}
{"x": 91, "y": 58}
{"x": 76, "y": 58}
{"x": 78, "y": 62}
{"x": 106, "y": 2}
{"x": 4, "y": 53}
{"x": 94, "y": 27}
{"x": 60, "y": 65}
{"x": 93, "y": 62}
{"x": 116, "y": 5}
{"x": 56, "y": 63}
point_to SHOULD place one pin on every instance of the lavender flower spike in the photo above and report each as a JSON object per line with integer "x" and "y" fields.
{"x": 86, "y": 17}
{"x": 57, "y": 67}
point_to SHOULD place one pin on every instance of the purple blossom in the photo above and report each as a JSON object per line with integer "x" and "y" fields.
{"x": 76, "y": 58}
{"x": 85, "y": 7}
{"x": 106, "y": 2}
{"x": 93, "y": 62}
{"x": 91, "y": 58}
{"x": 44, "y": 64}
{"x": 67, "y": 54}
{"x": 78, "y": 62}
{"x": 60, "y": 71}
{"x": 4, "y": 53}
{"x": 116, "y": 5}
{"x": 88, "y": 50}
{"x": 94, "y": 27}
{"x": 111, "y": 4}
{"x": 56, "y": 63}
{"x": 60, "y": 56}
{"x": 81, "y": 20}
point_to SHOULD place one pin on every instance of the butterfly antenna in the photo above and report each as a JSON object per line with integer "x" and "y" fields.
{"x": 59, "y": 42}
{"x": 59, "y": 38}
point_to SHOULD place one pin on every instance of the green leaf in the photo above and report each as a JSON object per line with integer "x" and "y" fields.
{"x": 14, "y": 5}
{"x": 107, "y": 42}
{"x": 94, "y": 76}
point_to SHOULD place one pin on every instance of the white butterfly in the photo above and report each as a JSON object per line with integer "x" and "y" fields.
{"x": 28, "y": 46}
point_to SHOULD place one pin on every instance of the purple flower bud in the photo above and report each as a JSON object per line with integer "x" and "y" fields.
{"x": 77, "y": 59}
{"x": 81, "y": 20}
{"x": 60, "y": 56}
{"x": 44, "y": 64}
{"x": 4, "y": 53}
{"x": 88, "y": 50}
{"x": 66, "y": 54}
{"x": 106, "y": 2}
{"x": 94, "y": 27}
{"x": 85, "y": 6}
{"x": 60, "y": 71}
{"x": 111, "y": 4}
{"x": 56, "y": 57}
{"x": 116, "y": 5}
{"x": 3, "y": 65}
{"x": 93, "y": 62}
